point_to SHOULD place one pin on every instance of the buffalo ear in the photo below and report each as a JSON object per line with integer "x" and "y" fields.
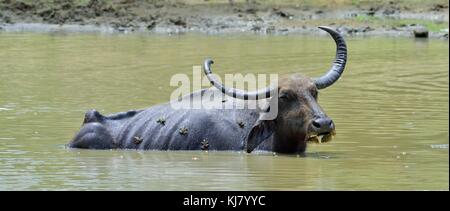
{"x": 262, "y": 130}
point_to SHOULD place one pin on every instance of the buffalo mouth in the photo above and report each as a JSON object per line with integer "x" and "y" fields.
{"x": 320, "y": 137}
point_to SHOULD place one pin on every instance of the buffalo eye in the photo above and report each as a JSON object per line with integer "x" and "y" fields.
{"x": 286, "y": 95}
{"x": 314, "y": 93}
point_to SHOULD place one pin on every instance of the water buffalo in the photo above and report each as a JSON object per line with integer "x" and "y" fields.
{"x": 300, "y": 119}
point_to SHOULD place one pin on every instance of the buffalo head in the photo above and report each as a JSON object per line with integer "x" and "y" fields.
{"x": 300, "y": 118}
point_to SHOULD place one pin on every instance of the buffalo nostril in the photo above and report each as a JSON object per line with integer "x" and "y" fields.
{"x": 316, "y": 124}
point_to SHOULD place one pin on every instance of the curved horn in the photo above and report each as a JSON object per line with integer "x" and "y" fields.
{"x": 232, "y": 92}
{"x": 339, "y": 62}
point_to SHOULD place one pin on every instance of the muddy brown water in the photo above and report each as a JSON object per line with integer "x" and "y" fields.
{"x": 390, "y": 108}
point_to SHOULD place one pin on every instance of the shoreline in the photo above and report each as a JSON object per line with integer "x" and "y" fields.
{"x": 108, "y": 29}
{"x": 96, "y": 16}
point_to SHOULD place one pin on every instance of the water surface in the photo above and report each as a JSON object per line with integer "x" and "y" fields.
{"x": 390, "y": 108}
